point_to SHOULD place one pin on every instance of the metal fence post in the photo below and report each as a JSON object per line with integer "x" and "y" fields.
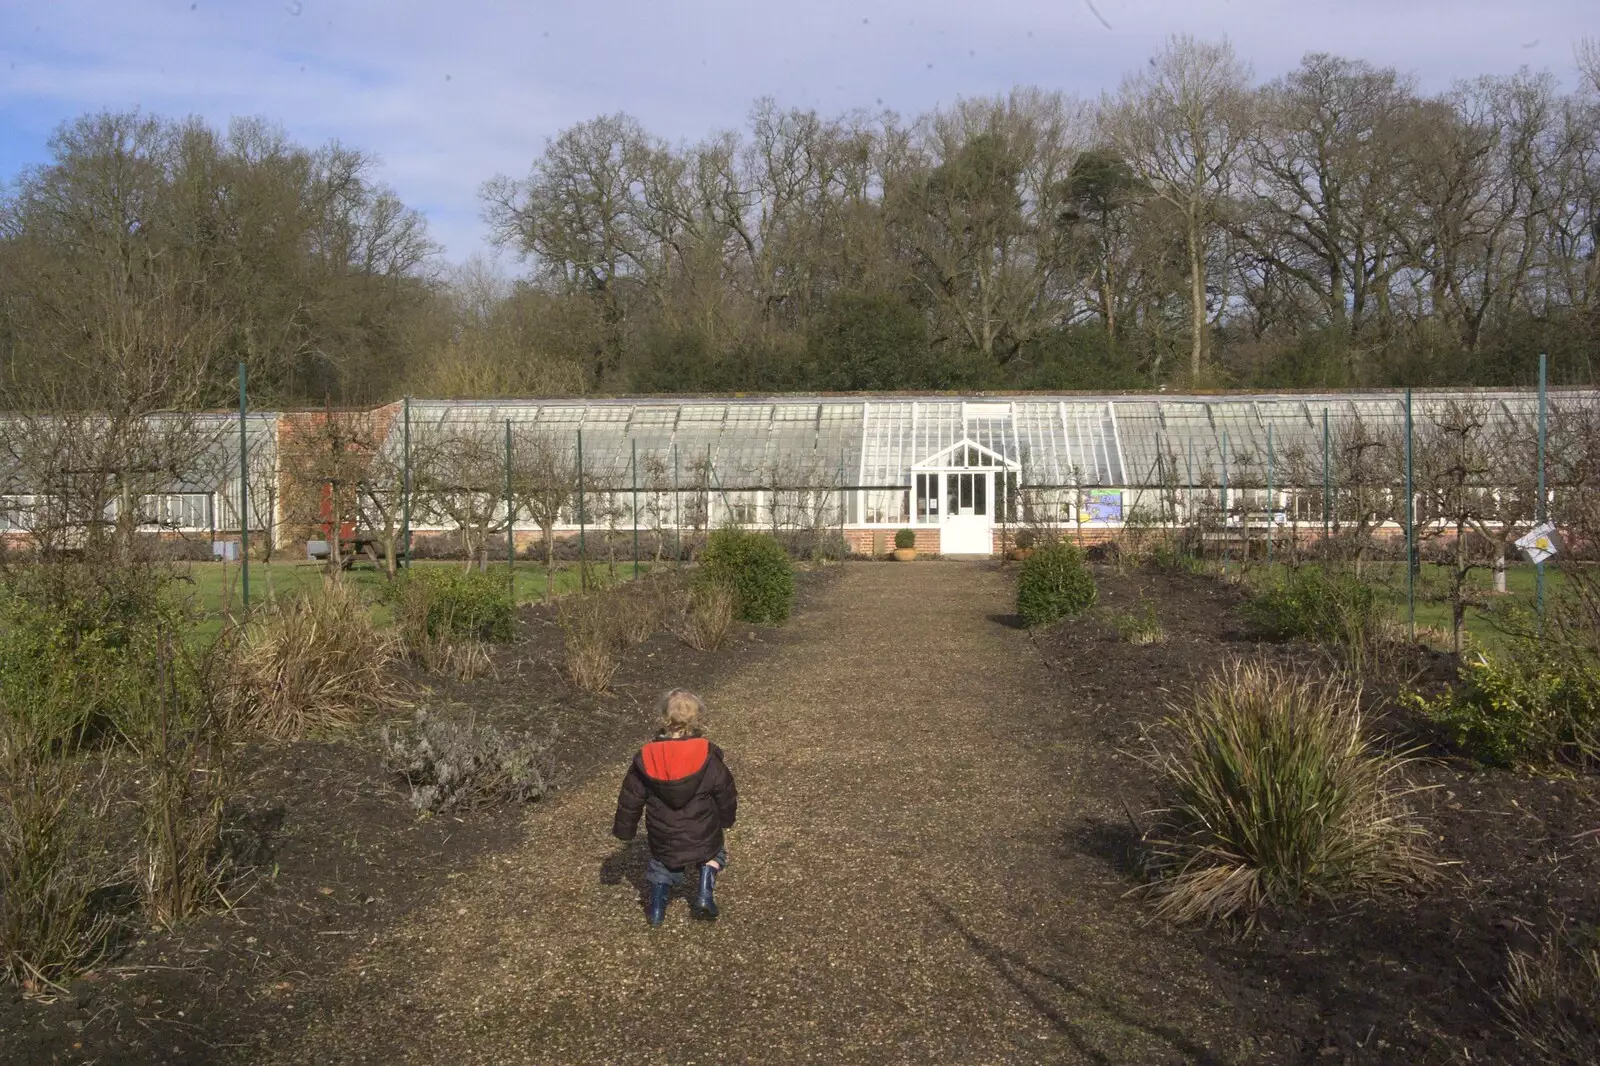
{"x": 842, "y": 501}
{"x": 405, "y": 482}
{"x": 1271, "y": 510}
{"x": 1539, "y": 513}
{"x": 1225, "y": 545}
{"x": 677, "y": 519}
{"x": 1411, "y": 536}
{"x": 1327, "y": 483}
{"x": 583, "y": 547}
{"x": 244, "y": 492}
{"x": 1188, "y": 492}
{"x": 634, "y": 474}
{"x": 511, "y": 522}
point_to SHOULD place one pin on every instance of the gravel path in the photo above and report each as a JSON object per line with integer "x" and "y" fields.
{"x": 909, "y": 882}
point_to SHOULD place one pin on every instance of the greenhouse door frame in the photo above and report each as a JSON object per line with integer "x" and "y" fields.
{"x": 965, "y": 505}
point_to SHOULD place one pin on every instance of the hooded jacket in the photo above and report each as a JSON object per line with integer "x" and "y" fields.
{"x": 685, "y": 788}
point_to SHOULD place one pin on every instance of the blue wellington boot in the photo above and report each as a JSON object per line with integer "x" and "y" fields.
{"x": 655, "y": 911}
{"x": 705, "y": 906}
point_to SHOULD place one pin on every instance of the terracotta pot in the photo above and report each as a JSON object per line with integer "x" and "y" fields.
{"x": 904, "y": 555}
{"x": 1019, "y": 554}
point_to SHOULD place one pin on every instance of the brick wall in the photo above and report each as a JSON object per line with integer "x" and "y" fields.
{"x": 879, "y": 542}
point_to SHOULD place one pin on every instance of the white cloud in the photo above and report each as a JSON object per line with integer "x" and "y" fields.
{"x": 449, "y": 94}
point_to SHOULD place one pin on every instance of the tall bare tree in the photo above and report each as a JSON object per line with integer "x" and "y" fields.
{"x": 1182, "y": 125}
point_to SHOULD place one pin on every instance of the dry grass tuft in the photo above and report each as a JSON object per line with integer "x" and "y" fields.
{"x": 1141, "y": 627}
{"x": 1551, "y": 999}
{"x": 462, "y": 660}
{"x": 1280, "y": 796}
{"x": 315, "y": 664}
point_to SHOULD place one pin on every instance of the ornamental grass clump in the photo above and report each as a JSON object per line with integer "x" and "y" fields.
{"x": 1279, "y": 796}
{"x": 314, "y": 664}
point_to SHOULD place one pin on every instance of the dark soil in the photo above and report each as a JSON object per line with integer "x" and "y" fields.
{"x": 333, "y": 856}
{"x": 1396, "y": 980}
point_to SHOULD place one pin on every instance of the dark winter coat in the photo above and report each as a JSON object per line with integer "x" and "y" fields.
{"x": 689, "y": 795}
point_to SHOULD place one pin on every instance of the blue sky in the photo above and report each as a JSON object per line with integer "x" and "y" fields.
{"x": 448, "y": 94}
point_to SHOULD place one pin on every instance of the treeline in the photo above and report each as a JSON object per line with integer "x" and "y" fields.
{"x": 1333, "y": 228}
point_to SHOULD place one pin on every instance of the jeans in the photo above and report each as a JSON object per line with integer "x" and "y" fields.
{"x": 657, "y": 874}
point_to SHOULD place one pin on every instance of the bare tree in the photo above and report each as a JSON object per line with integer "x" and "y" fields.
{"x": 544, "y": 485}
{"x": 1182, "y": 125}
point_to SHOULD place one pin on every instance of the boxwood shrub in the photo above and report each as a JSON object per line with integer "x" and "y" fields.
{"x": 445, "y": 603}
{"x": 756, "y": 567}
{"x": 1054, "y": 583}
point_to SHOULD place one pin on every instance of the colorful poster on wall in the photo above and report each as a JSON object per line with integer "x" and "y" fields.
{"x": 1104, "y": 506}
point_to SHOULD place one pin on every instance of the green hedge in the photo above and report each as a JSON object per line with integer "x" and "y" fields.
{"x": 756, "y": 567}
{"x": 905, "y": 538}
{"x": 1054, "y": 583}
{"x": 1536, "y": 707}
{"x": 446, "y": 603}
{"x": 1313, "y": 605}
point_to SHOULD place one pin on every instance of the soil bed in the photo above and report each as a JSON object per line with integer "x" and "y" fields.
{"x": 1402, "y": 980}
{"x": 337, "y": 857}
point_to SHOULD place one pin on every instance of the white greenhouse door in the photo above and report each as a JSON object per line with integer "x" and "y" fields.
{"x": 967, "y": 527}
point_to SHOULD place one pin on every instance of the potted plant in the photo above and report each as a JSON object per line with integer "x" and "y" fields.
{"x": 1022, "y": 544}
{"x": 905, "y": 545}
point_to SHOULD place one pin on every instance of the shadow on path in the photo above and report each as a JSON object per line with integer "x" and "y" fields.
{"x": 1013, "y": 970}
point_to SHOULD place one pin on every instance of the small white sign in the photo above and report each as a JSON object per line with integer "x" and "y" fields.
{"x": 1540, "y": 543}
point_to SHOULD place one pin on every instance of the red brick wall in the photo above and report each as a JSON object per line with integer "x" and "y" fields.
{"x": 862, "y": 541}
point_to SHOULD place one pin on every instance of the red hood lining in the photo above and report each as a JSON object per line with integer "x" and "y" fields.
{"x": 673, "y": 760}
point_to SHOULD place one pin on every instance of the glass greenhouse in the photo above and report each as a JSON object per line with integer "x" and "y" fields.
{"x": 959, "y": 468}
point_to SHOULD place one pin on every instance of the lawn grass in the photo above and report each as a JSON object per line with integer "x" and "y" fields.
{"x": 213, "y": 592}
{"x": 1433, "y": 607}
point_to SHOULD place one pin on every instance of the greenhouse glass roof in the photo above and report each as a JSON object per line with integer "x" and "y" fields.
{"x": 1054, "y": 440}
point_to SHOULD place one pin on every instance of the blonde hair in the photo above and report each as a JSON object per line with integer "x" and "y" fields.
{"x": 681, "y": 711}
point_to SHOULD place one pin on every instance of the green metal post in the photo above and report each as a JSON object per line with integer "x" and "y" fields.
{"x": 635, "y": 475}
{"x": 1225, "y": 501}
{"x": 583, "y": 547}
{"x": 511, "y": 522}
{"x": 1539, "y": 513}
{"x": 1188, "y": 492}
{"x": 1411, "y": 535}
{"x": 677, "y": 523}
{"x": 1327, "y": 481}
{"x": 1271, "y": 510}
{"x": 244, "y": 491}
{"x": 405, "y": 483}
{"x": 841, "y": 496}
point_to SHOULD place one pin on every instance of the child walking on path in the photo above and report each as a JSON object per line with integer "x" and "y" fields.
{"x": 681, "y": 783}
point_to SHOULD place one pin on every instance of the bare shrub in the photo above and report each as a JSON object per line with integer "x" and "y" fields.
{"x": 53, "y": 863}
{"x": 453, "y": 763}
{"x": 315, "y": 664}
{"x": 646, "y": 604}
{"x": 707, "y": 617}
{"x": 589, "y": 632}
{"x": 1551, "y": 998}
{"x": 186, "y": 784}
{"x": 1280, "y": 796}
